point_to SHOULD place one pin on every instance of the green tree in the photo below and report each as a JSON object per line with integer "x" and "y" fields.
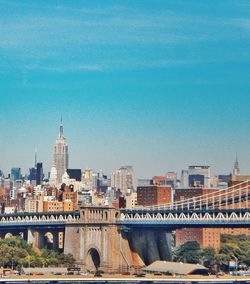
{"x": 223, "y": 261}
{"x": 234, "y": 246}
{"x": 18, "y": 253}
{"x": 189, "y": 252}
{"x": 209, "y": 259}
{"x": 5, "y": 254}
{"x": 67, "y": 259}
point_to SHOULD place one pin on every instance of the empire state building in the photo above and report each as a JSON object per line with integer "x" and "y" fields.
{"x": 61, "y": 156}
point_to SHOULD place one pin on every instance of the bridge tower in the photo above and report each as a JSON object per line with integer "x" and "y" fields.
{"x": 96, "y": 241}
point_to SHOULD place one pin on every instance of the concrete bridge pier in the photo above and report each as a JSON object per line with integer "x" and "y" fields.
{"x": 151, "y": 244}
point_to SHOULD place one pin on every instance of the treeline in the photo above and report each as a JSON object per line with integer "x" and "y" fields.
{"x": 16, "y": 253}
{"x": 232, "y": 248}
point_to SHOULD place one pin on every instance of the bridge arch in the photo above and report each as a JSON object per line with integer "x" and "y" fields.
{"x": 47, "y": 240}
{"x": 8, "y": 235}
{"x": 117, "y": 215}
{"x": 93, "y": 259}
{"x": 106, "y": 215}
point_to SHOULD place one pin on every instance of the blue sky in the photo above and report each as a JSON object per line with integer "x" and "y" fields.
{"x": 157, "y": 84}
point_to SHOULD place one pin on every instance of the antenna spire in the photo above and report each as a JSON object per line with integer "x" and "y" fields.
{"x": 61, "y": 129}
{"x": 35, "y": 157}
{"x": 236, "y": 169}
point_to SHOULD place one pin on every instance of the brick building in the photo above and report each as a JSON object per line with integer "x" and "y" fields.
{"x": 58, "y": 206}
{"x": 204, "y": 236}
{"x": 182, "y": 194}
{"x": 160, "y": 180}
{"x": 207, "y": 236}
{"x": 72, "y": 196}
{"x": 153, "y": 195}
{"x": 236, "y": 179}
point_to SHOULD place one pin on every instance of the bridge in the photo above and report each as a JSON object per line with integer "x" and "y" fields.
{"x": 115, "y": 240}
{"x": 40, "y": 229}
{"x": 226, "y": 207}
{"x": 38, "y": 219}
{"x": 222, "y": 208}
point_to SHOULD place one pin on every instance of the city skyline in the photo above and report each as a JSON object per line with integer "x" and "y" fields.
{"x": 235, "y": 163}
{"x": 159, "y": 85}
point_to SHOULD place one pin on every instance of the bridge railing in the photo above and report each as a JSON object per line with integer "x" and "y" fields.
{"x": 39, "y": 218}
{"x": 224, "y": 218}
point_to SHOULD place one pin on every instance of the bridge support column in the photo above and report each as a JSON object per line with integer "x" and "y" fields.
{"x": 129, "y": 259}
{"x": 33, "y": 237}
{"x": 165, "y": 245}
{"x": 104, "y": 249}
{"x": 55, "y": 241}
{"x": 61, "y": 241}
{"x": 72, "y": 241}
{"x": 98, "y": 242}
{"x": 151, "y": 245}
{"x": 41, "y": 240}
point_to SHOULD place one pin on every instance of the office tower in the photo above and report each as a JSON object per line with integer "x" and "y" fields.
{"x": 1, "y": 182}
{"x": 61, "y": 156}
{"x": 32, "y": 176}
{"x": 199, "y": 176}
{"x": 123, "y": 179}
{"x": 15, "y": 174}
{"x": 236, "y": 170}
{"x": 53, "y": 175}
{"x": 75, "y": 174}
{"x": 154, "y": 195}
{"x": 169, "y": 179}
{"x": 196, "y": 176}
{"x": 87, "y": 179}
{"x": 184, "y": 178}
{"x": 39, "y": 173}
{"x": 8, "y": 183}
{"x": 131, "y": 200}
{"x": 35, "y": 157}
{"x": 144, "y": 182}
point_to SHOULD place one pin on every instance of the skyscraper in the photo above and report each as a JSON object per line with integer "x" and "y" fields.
{"x": 39, "y": 173}
{"x": 236, "y": 169}
{"x": 196, "y": 176}
{"x": 53, "y": 175}
{"x": 123, "y": 179}
{"x": 15, "y": 174}
{"x": 61, "y": 156}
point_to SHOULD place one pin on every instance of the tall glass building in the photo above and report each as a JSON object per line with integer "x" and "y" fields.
{"x": 15, "y": 174}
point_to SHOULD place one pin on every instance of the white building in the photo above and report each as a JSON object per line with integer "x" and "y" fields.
{"x": 9, "y": 210}
{"x": 184, "y": 178}
{"x": 53, "y": 175}
{"x": 38, "y": 190}
{"x": 131, "y": 200}
{"x": 89, "y": 179}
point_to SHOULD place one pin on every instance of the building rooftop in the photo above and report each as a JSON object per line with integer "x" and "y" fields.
{"x": 177, "y": 268}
